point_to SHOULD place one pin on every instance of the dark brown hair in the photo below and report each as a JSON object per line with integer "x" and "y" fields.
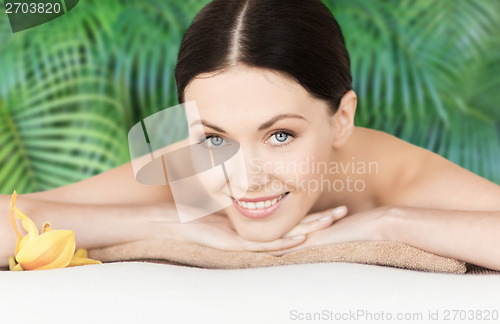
{"x": 299, "y": 38}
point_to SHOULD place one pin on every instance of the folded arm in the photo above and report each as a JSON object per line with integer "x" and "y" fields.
{"x": 116, "y": 186}
{"x": 449, "y": 211}
{"x": 94, "y": 225}
{"x": 109, "y": 208}
{"x": 112, "y": 208}
{"x": 443, "y": 209}
{"x": 469, "y": 236}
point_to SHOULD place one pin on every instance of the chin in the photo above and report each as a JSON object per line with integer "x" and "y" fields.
{"x": 258, "y": 232}
{"x": 258, "y": 236}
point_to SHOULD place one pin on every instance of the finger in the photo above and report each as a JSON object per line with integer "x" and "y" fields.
{"x": 336, "y": 212}
{"x": 282, "y": 252}
{"x": 322, "y": 221}
{"x": 276, "y": 245}
{"x": 289, "y": 250}
{"x": 311, "y": 227}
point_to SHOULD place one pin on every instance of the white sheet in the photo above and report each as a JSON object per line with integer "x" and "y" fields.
{"x": 137, "y": 292}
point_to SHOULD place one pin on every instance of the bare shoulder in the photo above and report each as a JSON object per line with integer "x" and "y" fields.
{"x": 413, "y": 176}
{"x": 397, "y": 161}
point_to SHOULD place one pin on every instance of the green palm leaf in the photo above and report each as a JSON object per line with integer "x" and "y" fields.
{"x": 428, "y": 72}
{"x": 59, "y": 120}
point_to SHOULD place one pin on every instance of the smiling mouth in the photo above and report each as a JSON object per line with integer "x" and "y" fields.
{"x": 258, "y": 207}
{"x": 260, "y": 203}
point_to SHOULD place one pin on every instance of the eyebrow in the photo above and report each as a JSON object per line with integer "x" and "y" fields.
{"x": 204, "y": 123}
{"x": 272, "y": 121}
{"x": 264, "y": 126}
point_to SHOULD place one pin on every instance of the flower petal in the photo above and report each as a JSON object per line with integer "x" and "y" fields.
{"x": 12, "y": 217}
{"x": 29, "y": 226}
{"x": 13, "y": 266}
{"x": 82, "y": 261}
{"x": 81, "y": 258}
{"x": 13, "y": 220}
{"x": 81, "y": 253}
{"x": 50, "y": 250}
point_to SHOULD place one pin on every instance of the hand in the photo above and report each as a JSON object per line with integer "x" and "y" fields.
{"x": 216, "y": 231}
{"x": 317, "y": 221}
{"x": 363, "y": 226}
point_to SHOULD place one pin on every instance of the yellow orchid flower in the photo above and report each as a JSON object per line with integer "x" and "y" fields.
{"x": 50, "y": 250}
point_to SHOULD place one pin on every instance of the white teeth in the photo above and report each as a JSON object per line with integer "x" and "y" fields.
{"x": 259, "y": 204}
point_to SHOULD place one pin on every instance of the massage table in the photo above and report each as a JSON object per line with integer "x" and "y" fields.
{"x": 147, "y": 292}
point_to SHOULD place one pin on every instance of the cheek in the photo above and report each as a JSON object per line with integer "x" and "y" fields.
{"x": 303, "y": 163}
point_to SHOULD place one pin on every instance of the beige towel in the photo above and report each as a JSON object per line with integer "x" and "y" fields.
{"x": 379, "y": 253}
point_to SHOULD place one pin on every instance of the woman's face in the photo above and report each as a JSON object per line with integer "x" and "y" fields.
{"x": 283, "y": 132}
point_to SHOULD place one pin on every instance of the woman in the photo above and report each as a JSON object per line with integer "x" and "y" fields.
{"x": 274, "y": 76}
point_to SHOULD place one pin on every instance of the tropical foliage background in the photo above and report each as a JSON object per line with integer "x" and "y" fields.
{"x": 427, "y": 71}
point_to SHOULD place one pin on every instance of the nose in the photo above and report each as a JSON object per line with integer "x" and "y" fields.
{"x": 257, "y": 177}
{"x": 246, "y": 172}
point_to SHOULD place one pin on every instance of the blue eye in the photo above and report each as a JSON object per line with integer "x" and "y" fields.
{"x": 213, "y": 141}
{"x": 216, "y": 140}
{"x": 280, "y": 138}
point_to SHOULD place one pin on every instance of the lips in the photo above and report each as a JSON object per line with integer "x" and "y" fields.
{"x": 259, "y": 207}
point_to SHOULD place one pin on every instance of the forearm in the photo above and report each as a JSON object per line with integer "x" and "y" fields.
{"x": 469, "y": 236}
{"x": 94, "y": 225}
{"x": 115, "y": 186}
